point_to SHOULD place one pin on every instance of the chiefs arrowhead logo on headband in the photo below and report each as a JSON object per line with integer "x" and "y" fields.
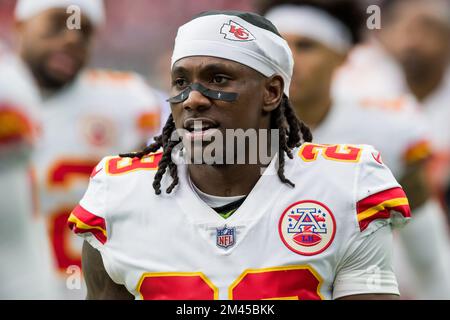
{"x": 235, "y": 32}
{"x": 239, "y": 36}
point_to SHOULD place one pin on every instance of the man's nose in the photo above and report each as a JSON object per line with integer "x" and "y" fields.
{"x": 73, "y": 37}
{"x": 196, "y": 101}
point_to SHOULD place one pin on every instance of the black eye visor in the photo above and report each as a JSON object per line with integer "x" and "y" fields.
{"x": 212, "y": 94}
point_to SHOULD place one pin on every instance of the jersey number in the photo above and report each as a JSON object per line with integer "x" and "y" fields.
{"x": 61, "y": 176}
{"x": 345, "y": 153}
{"x": 293, "y": 282}
{"x": 117, "y": 166}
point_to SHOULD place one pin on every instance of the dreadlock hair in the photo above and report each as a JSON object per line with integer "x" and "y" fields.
{"x": 292, "y": 133}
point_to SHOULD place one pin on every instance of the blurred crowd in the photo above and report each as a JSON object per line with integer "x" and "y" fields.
{"x": 133, "y": 28}
{"x": 378, "y": 76}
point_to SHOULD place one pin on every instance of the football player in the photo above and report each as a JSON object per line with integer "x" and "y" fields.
{"x": 412, "y": 50}
{"x": 25, "y": 271}
{"x": 321, "y": 34}
{"x": 314, "y": 223}
{"x": 86, "y": 113}
{"x": 417, "y": 35}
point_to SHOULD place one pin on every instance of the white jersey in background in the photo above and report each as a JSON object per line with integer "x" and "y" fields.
{"x": 371, "y": 73}
{"x": 323, "y": 239}
{"x": 102, "y": 112}
{"x": 25, "y": 268}
{"x": 394, "y": 126}
{"x": 372, "y": 77}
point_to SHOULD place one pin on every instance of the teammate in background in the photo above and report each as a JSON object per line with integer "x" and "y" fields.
{"x": 417, "y": 35}
{"x": 311, "y": 227}
{"x": 321, "y": 34}
{"x": 25, "y": 269}
{"x": 86, "y": 115}
{"x": 412, "y": 50}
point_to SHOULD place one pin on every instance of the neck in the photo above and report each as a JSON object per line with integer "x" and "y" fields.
{"x": 426, "y": 85}
{"x": 225, "y": 180}
{"x": 47, "y": 93}
{"x": 313, "y": 111}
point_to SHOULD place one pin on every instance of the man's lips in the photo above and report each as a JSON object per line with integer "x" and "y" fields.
{"x": 199, "y": 124}
{"x": 200, "y": 128}
{"x": 63, "y": 63}
{"x": 204, "y": 135}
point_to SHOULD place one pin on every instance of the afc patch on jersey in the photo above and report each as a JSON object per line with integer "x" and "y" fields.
{"x": 307, "y": 227}
{"x": 225, "y": 237}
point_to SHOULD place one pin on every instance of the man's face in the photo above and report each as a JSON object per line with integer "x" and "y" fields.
{"x": 314, "y": 66}
{"x": 54, "y": 53}
{"x": 220, "y": 75}
{"x": 417, "y": 38}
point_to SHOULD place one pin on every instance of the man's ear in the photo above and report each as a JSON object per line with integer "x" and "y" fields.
{"x": 273, "y": 93}
{"x": 341, "y": 59}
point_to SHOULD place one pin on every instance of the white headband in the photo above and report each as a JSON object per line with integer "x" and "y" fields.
{"x": 93, "y": 9}
{"x": 437, "y": 9}
{"x": 312, "y": 23}
{"x": 230, "y": 37}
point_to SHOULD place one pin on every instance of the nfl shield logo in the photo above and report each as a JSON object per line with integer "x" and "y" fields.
{"x": 226, "y": 237}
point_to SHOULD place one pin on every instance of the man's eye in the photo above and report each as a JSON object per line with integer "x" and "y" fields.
{"x": 180, "y": 83}
{"x": 218, "y": 79}
{"x": 305, "y": 45}
{"x": 54, "y": 27}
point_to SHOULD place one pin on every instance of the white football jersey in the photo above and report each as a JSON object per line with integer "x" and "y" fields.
{"x": 102, "y": 112}
{"x": 19, "y": 103}
{"x": 25, "y": 269}
{"x": 370, "y": 74}
{"x": 393, "y": 126}
{"x": 326, "y": 238}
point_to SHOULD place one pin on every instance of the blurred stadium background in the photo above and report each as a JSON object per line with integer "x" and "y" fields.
{"x": 139, "y": 34}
